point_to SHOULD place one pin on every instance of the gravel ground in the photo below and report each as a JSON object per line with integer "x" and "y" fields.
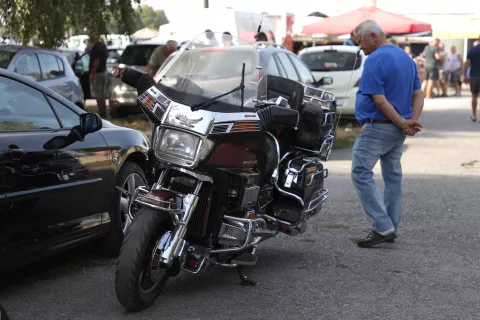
{"x": 431, "y": 272}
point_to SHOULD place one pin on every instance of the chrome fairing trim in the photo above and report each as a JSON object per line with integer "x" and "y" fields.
{"x": 201, "y": 121}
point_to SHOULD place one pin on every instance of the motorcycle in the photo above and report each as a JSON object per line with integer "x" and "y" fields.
{"x": 236, "y": 159}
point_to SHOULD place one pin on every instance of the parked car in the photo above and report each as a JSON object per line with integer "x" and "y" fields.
{"x": 114, "y": 53}
{"x": 337, "y": 62}
{"x": 48, "y": 67}
{"x": 58, "y": 188}
{"x": 79, "y": 61}
{"x": 278, "y": 61}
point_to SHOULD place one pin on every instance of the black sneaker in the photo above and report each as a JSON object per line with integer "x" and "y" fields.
{"x": 375, "y": 238}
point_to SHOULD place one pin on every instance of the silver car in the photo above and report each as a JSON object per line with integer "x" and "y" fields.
{"x": 48, "y": 67}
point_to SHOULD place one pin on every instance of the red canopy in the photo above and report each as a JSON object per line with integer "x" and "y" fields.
{"x": 391, "y": 23}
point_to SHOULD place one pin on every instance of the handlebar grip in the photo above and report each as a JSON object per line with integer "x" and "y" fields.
{"x": 137, "y": 79}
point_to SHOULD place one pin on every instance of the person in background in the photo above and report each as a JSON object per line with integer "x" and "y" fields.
{"x": 261, "y": 37}
{"x": 473, "y": 61}
{"x": 159, "y": 55}
{"x": 408, "y": 50}
{"x": 454, "y": 65}
{"x": 288, "y": 41}
{"x": 351, "y": 41}
{"x": 388, "y": 105}
{"x": 442, "y": 70}
{"x": 431, "y": 57}
{"x": 477, "y": 42}
{"x": 271, "y": 37}
{"x": 98, "y": 73}
{"x": 212, "y": 41}
{"x": 227, "y": 39}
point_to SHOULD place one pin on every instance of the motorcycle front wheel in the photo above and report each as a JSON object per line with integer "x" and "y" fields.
{"x": 135, "y": 287}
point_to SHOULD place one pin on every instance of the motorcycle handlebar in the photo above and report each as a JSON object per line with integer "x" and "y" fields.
{"x": 137, "y": 79}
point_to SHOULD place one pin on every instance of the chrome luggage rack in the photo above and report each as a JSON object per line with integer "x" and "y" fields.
{"x": 322, "y": 97}
{"x": 325, "y": 99}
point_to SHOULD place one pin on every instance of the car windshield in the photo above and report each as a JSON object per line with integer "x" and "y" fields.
{"x": 137, "y": 55}
{"x": 196, "y": 74}
{"x": 5, "y": 58}
{"x": 331, "y": 60}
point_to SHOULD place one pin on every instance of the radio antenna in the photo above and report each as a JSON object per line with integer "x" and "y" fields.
{"x": 261, "y": 21}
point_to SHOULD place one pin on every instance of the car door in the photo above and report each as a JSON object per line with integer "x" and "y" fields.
{"x": 287, "y": 66}
{"x": 305, "y": 75}
{"x": 50, "y": 197}
{"x": 27, "y": 65}
{"x": 53, "y": 75}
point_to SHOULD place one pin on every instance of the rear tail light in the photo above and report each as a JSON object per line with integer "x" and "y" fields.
{"x": 357, "y": 83}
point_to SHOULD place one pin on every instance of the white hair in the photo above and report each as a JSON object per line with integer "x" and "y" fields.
{"x": 367, "y": 27}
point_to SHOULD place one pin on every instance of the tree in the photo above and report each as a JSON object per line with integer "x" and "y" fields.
{"x": 145, "y": 17}
{"x": 50, "y": 19}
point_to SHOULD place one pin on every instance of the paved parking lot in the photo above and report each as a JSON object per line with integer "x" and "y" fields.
{"x": 431, "y": 272}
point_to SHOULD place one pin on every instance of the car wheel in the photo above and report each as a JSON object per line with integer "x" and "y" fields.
{"x": 130, "y": 177}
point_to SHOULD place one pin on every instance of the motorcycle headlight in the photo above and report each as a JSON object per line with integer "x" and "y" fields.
{"x": 182, "y": 148}
{"x": 180, "y": 144}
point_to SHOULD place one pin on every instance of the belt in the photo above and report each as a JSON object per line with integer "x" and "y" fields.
{"x": 378, "y": 121}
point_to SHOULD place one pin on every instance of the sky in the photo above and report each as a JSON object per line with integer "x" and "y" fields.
{"x": 329, "y": 7}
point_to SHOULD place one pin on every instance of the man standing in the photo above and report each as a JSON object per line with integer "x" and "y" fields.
{"x": 389, "y": 103}
{"x": 473, "y": 61}
{"x": 98, "y": 73}
{"x": 159, "y": 55}
{"x": 431, "y": 56}
{"x": 443, "y": 69}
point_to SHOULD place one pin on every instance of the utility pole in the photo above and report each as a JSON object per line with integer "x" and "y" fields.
{"x": 205, "y": 3}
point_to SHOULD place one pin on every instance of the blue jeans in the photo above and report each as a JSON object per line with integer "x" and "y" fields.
{"x": 384, "y": 142}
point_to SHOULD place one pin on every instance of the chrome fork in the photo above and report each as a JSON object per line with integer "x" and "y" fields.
{"x": 178, "y": 244}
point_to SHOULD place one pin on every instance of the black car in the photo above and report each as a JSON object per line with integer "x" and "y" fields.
{"x": 58, "y": 188}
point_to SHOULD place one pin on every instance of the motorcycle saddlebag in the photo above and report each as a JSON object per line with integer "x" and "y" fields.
{"x": 303, "y": 177}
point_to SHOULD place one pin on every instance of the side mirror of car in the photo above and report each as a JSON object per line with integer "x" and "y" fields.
{"x": 89, "y": 123}
{"x": 325, "y": 81}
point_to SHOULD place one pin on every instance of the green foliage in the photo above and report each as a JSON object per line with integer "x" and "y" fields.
{"x": 144, "y": 17}
{"x": 49, "y": 20}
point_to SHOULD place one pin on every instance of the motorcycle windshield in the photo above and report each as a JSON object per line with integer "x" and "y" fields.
{"x": 220, "y": 64}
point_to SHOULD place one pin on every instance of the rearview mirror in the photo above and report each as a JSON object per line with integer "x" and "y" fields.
{"x": 90, "y": 122}
{"x": 325, "y": 81}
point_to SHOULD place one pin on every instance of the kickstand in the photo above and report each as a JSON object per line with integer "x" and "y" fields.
{"x": 244, "y": 280}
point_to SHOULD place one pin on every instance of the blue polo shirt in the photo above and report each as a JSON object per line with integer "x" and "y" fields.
{"x": 391, "y": 72}
{"x": 474, "y": 57}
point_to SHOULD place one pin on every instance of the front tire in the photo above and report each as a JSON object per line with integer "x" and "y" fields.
{"x": 130, "y": 177}
{"x": 134, "y": 287}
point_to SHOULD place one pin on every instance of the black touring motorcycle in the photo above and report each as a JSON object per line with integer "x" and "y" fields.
{"x": 236, "y": 159}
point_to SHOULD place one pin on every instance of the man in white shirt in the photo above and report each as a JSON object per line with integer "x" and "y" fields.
{"x": 454, "y": 64}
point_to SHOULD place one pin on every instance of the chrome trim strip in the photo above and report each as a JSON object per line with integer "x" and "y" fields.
{"x": 199, "y": 176}
{"x": 322, "y": 196}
